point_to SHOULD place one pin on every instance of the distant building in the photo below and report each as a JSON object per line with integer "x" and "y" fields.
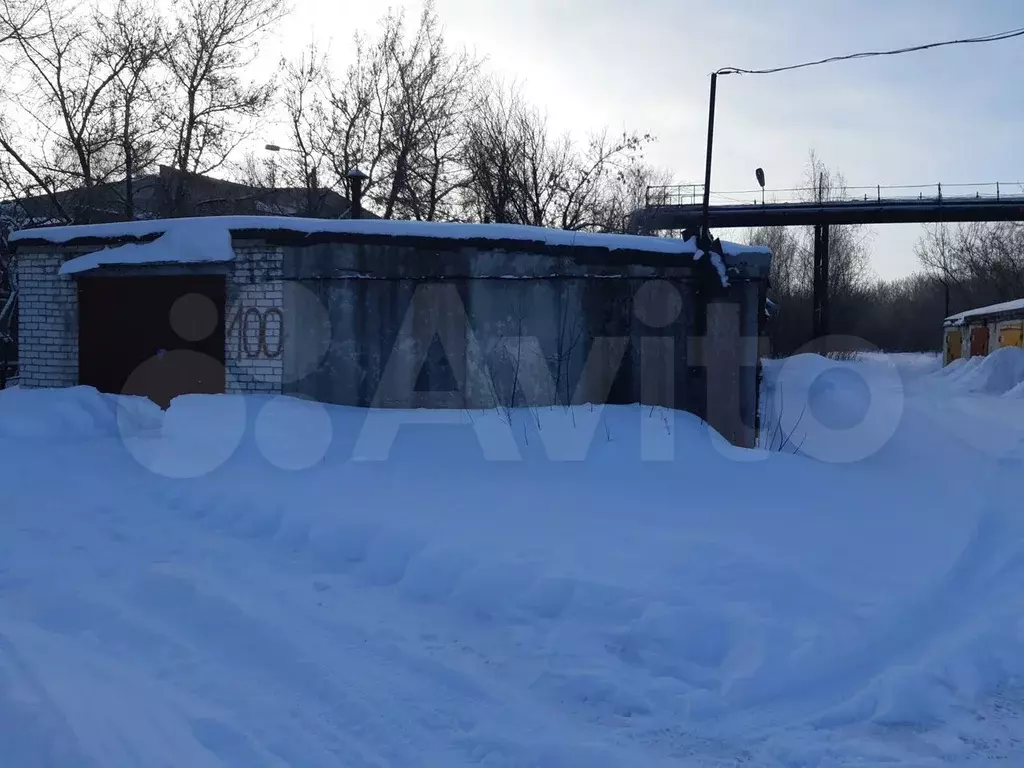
{"x": 170, "y": 193}
{"x": 979, "y": 331}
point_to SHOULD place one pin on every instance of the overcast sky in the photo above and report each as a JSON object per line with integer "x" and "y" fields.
{"x": 953, "y": 115}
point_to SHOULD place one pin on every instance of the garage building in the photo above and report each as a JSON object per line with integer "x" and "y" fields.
{"x": 393, "y": 314}
{"x": 980, "y": 331}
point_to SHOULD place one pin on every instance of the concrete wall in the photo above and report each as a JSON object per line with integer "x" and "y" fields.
{"x": 481, "y": 342}
{"x": 403, "y": 326}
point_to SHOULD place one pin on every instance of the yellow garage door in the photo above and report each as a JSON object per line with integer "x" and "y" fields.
{"x": 1011, "y": 336}
{"x": 954, "y": 346}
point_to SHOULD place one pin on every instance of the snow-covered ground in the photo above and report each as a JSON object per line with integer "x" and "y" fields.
{"x": 267, "y": 582}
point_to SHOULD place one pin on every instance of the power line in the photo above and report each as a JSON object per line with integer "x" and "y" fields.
{"x": 868, "y": 54}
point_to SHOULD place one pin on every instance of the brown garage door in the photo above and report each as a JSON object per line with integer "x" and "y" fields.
{"x": 153, "y": 336}
{"x": 979, "y": 341}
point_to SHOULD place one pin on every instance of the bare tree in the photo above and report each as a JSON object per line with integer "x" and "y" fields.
{"x": 493, "y": 154}
{"x": 627, "y": 193}
{"x": 261, "y": 171}
{"x": 544, "y": 168}
{"x": 983, "y": 262}
{"x": 8, "y": 298}
{"x": 398, "y": 114}
{"x": 934, "y": 249}
{"x": 521, "y": 172}
{"x": 1002, "y": 258}
{"x": 434, "y": 87}
{"x": 593, "y": 175}
{"x": 305, "y": 162}
{"x": 211, "y": 104}
{"x": 849, "y": 259}
{"x": 17, "y": 19}
{"x": 356, "y": 127}
{"x": 133, "y": 34}
{"x": 58, "y": 132}
{"x": 934, "y": 252}
{"x": 785, "y": 246}
{"x": 791, "y": 317}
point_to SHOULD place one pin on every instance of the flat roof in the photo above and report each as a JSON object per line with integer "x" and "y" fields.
{"x": 195, "y": 236}
{"x": 1016, "y": 305}
{"x": 136, "y": 230}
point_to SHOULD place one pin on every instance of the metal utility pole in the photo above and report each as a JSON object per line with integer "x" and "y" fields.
{"x": 705, "y": 229}
{"x": 820, "y": 308}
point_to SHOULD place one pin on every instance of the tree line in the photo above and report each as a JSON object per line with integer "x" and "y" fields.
{"x": 103, "y": 94}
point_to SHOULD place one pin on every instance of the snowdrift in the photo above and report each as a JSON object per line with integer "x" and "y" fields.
{"x": 997, "y": 373}
{"x": 77, "y": 413}
{"x": 328, "y": 585}
{"x": 910, "y": 364}
{"x": 953, "y": 369}
{"x": 1017, "y": 393}
{"x": 832, "y": 410}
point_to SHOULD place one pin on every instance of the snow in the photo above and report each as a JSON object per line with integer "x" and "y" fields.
{"x": 994, "y": 309}
{"x": 240, "y": 581}
{"x": 716, "y": 262}
{"x": 75, "y": 413}
{"x": 202, "y": 241}
{"x": 995, "y": 373}
{"x": 189, "y": 236}
{"x": 1016, "y": 392}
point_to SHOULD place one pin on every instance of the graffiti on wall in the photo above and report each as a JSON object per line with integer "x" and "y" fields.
{"x": 255, "y": 333}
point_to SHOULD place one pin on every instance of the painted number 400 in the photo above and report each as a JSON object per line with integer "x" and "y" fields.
{"x": 251, "y": 324}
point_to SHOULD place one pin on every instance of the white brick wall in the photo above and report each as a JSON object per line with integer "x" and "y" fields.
{"x": 255, "y": 303}
{"x": 47, "y": 322}
{"x": 253, "y": 354}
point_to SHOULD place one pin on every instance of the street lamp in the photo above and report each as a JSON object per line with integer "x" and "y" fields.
{"x": 311, "y": 177}
{"x": 759, "y": 174}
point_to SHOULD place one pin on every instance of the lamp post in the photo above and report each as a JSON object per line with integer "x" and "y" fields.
{"x": 311, "y": 177}
{"x": 759, "y": 174}
{"x": 705, "y": 228}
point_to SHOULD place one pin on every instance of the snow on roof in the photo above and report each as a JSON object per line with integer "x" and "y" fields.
{"x": 177, "y": 245}
{"x": 993, "y": 309}
{"x": 197, "y": 231}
